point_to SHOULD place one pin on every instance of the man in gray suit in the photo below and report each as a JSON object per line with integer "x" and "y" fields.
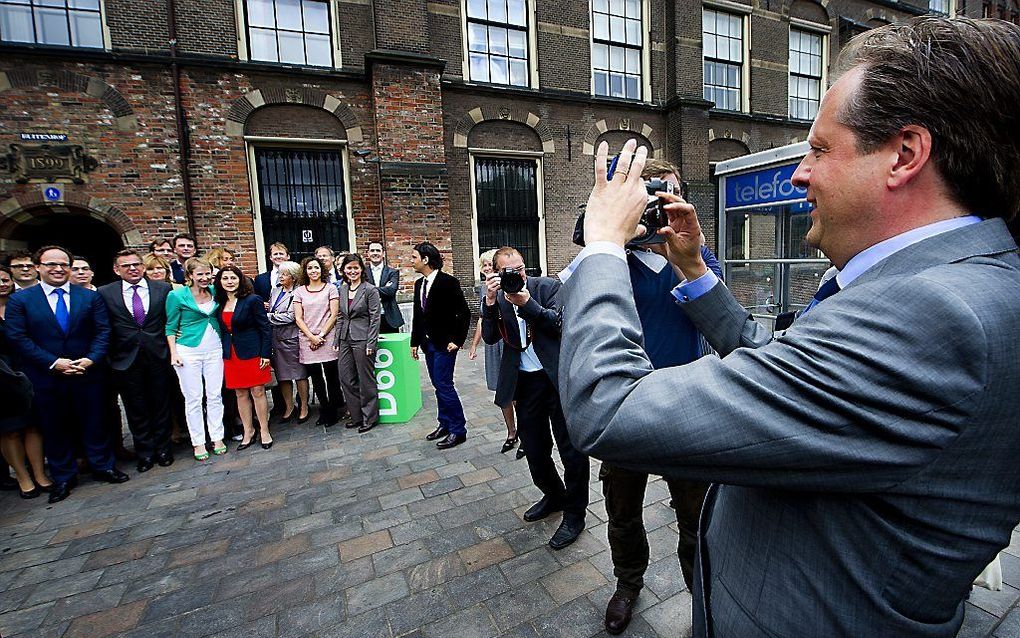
{"x": 387, "y": 280}
{"x": 527, "y": 322}
{"x": 869, "y": 453}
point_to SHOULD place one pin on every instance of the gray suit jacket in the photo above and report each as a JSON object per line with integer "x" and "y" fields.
{"x": 126, "y": 337}
{"x": 541, "y": 315}
{"x": 359, "y": 322}
{"x": 869, "y": 453}
{"x": 388, "y": 286}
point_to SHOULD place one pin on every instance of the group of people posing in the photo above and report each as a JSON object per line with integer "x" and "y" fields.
{"x": 201, "y": 319}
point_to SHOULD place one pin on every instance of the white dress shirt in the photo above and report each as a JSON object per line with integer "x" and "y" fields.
{"x": 426, "y": 286}
{"x": 129, "y": 295}
{"x": 377, "y": 273}
{"x": 52, "y": 298}
{"x": 529, "y": 360}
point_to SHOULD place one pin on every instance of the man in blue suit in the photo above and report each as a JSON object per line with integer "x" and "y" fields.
{"x": 864, "y": 461}
{"x": 59, "y": 333}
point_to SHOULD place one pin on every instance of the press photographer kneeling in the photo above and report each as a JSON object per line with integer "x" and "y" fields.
{"x": 521, "y": 311}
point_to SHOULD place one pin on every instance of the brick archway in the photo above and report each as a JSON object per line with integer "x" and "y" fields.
{"x": 245, "y": 105}
{"x": 624, "y": 124}
{"x": 515, "y": 113}
{"x": 72, "y": 82}
{"x": 25, "y": 206}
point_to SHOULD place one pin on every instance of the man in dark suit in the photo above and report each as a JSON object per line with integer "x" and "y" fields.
{"x": 529, "y": 325}
{"x": 185, "y": 247}
{"x": 265, "y": 282}
{"x": 60, "y": 334}
{"x": 140, "y": 358}
{"x": 865, "y": 460}
{"x": 387, "y": 280}
{"x": 439, "y": 326}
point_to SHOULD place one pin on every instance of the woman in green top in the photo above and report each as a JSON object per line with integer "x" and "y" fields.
{"x": 196, "y": 353}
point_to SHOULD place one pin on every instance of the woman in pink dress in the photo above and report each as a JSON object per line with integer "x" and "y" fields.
{"x": 316, "y": 304}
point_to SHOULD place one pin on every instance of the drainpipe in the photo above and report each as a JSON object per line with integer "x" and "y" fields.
{"x": 182, "y": 127}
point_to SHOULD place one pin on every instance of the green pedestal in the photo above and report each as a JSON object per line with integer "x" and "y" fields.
{"x": 399, "y": 379}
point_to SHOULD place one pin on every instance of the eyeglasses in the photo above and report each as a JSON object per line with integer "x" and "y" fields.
{"x": 132, "y": 266}
{"x": 22, "y": 266}
{"x": 55, "y": 264}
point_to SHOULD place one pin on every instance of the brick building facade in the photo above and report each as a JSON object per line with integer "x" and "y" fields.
{"x": 464, "y": 122}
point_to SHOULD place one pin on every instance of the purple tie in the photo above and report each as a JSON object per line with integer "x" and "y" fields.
{"x": 137, "y": 308}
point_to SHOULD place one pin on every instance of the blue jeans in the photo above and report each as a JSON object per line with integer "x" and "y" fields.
{"x": 440, "y": 365}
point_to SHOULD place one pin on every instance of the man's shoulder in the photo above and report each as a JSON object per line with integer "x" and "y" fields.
{"x": 112, "y": 288}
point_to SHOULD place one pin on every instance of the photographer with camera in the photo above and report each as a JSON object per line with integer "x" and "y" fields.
{"x": 670, "y": 339}
{"x": 521, "y": 311}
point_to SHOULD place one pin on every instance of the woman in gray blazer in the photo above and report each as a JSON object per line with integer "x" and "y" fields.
{"x": 286, "y": 358}
{"x": 357, "y": 335}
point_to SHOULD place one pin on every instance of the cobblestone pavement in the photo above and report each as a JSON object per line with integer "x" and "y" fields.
{"x": 332, "y": 533}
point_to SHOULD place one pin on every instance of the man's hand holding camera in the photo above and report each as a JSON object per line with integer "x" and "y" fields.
{"x": 494, "y": 283}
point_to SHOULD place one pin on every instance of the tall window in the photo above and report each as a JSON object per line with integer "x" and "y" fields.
{"x": 723, "y": 37}
{"x": 497, "y": 33}
{"x": 74, "y": 23}
{"x": 291, "y": 31}
{"x": 302, "y": 198}
{"x": 941, "y": 7}
{"x": 616, "y": 48}
{"x": 506, "y": 203}
{"x": 805, "y": 73}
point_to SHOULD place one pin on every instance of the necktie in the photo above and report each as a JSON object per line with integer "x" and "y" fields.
{"x": 424, "y": 293}
{"x": 63, "y": 317}
{"x": 137, "y": 307}
{"x": 827, "y": 290}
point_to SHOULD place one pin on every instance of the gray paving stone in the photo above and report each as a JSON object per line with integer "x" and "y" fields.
{"x": 473, "y": 622}
{"x": 130, "y": 570}
{"x": 303, "y": 524}
{"x": 313, "y": 616}
{"x": 344, "y": 575}
{"x": 12, "y": 599}
{"x": 371, "y": 623}
{"x": 415, "y": 529}
{"x": 442, "y": 486}
{"x": 376, "y": 593}
{"x": 64, "y": 587}
{"x": 24, "y": 620}
{"x": 478, "y": 586}
{"x": 47, "y": 571}
{"x": 672, "y": 616}
{"x": 519, "y": 605}
{"x": 529, "y": 567}
{"x": 977, "y": 623}
{"x": 32, "y": 557}
{"x": 247, "y": 581}
{"x": 86, "y": 603}
{"x": 576, "y": 619}
{"x": 994, "y": 602}
{"x": 416, "y": 610}
{"x": 1009, "y": 627}
{"x": 193, "y": 595}
{"x": 163, "y": 629}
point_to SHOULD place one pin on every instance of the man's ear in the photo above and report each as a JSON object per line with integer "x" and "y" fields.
{"x": 913, "y": 152}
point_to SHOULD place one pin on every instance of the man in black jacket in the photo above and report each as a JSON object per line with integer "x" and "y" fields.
{"x": 439, "y": 326}
{"x": 139, "y": 356}
{"x": 528, "y": 324}
{"x": 387, "y": 280}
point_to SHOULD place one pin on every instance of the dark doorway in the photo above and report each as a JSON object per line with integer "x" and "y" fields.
{"x": 78, "y": 232}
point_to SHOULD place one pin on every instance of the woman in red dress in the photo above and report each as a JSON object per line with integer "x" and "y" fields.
{"x": 246, "y": 336}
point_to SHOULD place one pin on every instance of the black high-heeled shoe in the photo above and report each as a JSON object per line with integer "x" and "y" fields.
{"x": 32, "y": 493}
{"x": 287, "y": 417}
{"x": 508, "y": 445}
{"x": 244, "y": 446}
{"x": 266, "y": 446}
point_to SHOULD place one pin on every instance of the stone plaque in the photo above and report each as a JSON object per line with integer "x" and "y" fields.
{"x": 48, "y": 163}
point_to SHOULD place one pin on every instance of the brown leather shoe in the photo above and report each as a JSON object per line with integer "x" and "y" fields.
{"x": 618, "y": 612}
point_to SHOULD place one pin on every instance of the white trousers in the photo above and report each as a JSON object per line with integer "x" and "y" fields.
{"x": 198, "y": 367}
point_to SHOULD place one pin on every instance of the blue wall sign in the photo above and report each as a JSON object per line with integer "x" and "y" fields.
{"x": 52, "y": 194}
{"x": 768, "y": 186}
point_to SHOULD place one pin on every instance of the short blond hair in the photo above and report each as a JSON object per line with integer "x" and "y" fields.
{"x": 485, "y": 257}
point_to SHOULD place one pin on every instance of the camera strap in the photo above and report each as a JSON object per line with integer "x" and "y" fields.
{"x": 503, "y": 333}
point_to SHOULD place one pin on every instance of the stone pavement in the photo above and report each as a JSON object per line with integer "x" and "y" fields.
{"x": 332, "y": 533}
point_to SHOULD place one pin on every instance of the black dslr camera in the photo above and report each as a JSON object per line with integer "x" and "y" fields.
{"x": 510, "y": 281}
{"x": 654, "y": 216}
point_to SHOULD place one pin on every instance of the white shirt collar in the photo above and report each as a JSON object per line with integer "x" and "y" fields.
{"x": 126, "y": 287}
{"x": 48, "y": 289}
{"x": 431, "y": 277}
{"x": 864, "y": 260}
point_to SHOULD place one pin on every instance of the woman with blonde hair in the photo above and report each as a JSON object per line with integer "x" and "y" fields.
{"x": 493, "y": 355}
{"x": 196, "y": 352}
{"x": 220, "y": 257}
{"x": 158, "y": 269}
{"x": 286, "y": 357}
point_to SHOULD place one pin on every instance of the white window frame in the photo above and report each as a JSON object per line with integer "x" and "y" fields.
{"x": 539, "y": 158}
{"x": 241, "y": 13}
{"x": 645, "y": 83}
{"x": 950, "y": 5}
{"x": 743, "y": 12}
{"x": 813, "y": 28}
{"x": 532, "y": 40}
{"x": 251, "y": 142}
{"x": 104, "y": 29}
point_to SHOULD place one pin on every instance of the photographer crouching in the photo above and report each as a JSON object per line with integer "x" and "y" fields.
{"x": 521, "y": 311}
